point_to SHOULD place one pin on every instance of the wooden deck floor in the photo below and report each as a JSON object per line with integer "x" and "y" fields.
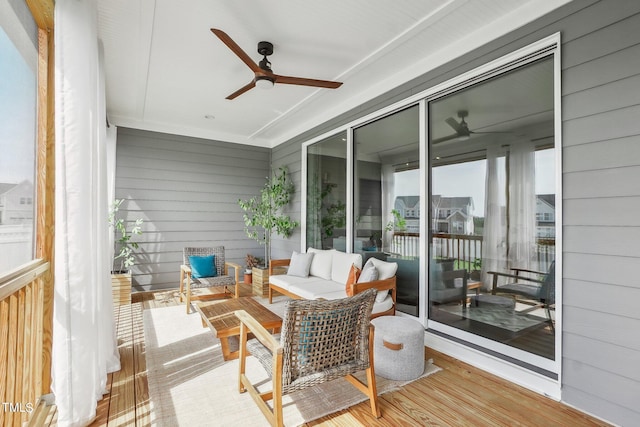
{"x": 459, "y": 395}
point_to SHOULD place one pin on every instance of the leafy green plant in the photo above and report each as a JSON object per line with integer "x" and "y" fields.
{"x": 398, "y": 222}
{"x": 124, "y": 242}
{"x": 263, "y": 214}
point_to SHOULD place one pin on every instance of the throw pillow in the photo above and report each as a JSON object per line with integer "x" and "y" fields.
{"x": 203, "y": 266}
{"x": 354, "y": 274}
{"x": 369, "y": 272}
{"x": 300, "y": 264}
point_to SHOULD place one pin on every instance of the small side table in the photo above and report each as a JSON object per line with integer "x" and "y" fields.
{"x": 473, "y": 284}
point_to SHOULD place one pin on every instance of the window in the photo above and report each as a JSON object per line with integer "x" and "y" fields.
{"x": 18, "y": 118}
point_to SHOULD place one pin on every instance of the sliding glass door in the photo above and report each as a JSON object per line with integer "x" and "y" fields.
{"x": 458, "y": 185}
{"x": 492, "y": 218}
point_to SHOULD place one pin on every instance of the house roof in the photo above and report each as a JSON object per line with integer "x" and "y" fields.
{"x": 451, "y": 202}
{"x": 6, "y": 187}
{"x": 408, "y": 201}
{"x": 549, "y": 199}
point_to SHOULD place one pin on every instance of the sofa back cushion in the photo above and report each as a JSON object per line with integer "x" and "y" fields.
{"x": 341, "y": 265}
{"x": 321, "y": 263}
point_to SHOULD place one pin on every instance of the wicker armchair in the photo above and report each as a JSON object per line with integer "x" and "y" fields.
{"x": 320, "y": 341}
{"x": 222, "y": 280}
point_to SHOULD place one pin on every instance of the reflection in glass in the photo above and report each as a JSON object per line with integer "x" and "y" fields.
{"x": 492, "y": 216}
{"x": 327, "y": 193}
{"x": 386, "y": 199}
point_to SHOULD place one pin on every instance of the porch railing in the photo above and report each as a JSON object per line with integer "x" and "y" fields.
{"x": 464, "y": 249}
{"x": 23, "y": 340}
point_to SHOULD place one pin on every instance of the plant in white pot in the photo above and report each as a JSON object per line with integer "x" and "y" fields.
{"x": 124, "y": 260}
{"x": 263, "y": 214}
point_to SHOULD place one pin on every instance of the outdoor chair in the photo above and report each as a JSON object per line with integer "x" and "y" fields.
{"x": 207, "y": 275}
{"x": 533, "y": 285}
{"x": 320, "y": 340}
{"x": 449, "y": 286}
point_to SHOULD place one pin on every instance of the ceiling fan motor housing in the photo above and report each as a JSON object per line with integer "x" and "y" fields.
{"x": 265, "y": 48}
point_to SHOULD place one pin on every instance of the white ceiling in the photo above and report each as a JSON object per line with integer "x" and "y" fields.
{"x": 166, "y": 71}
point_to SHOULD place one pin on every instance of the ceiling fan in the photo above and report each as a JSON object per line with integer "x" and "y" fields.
{"x": 462, "y": 129}
{"x": 264, "y": 77}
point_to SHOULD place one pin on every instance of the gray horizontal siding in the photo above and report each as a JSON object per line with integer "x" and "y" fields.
{"x": 601, "y": 168}
{"x": 288, "y": 155}
{"x": 186, "y": 190}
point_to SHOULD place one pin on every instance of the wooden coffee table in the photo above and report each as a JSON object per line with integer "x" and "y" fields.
{"x": 220, "y": 317}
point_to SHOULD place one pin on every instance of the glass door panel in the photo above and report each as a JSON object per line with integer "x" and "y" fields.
{"x": 327, "y": 193}
{"x": 387, "y": 198}
{"x": 492, "y": 216}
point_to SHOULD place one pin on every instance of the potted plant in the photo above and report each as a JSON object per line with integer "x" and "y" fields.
{"x": 250, "y": 261}
{"x": 476, "y": 266}
{"x": 124, "y": 260}
{"x": 263, "y": 214}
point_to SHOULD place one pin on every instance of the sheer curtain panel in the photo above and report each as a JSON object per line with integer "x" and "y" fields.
{"x": 84, "y": 345}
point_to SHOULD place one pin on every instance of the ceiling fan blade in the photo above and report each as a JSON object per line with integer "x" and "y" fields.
{"x": 287, "y": 80}
{"x": 444, "y": 138}
{"x": 489, "y": 132}
{"x": 236, "y": 49}
{"x": 455, "y": 125}
{"x": 242, "y": 90}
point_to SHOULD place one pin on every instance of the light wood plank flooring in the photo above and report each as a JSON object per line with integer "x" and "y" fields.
{"x": 459, "y": 395}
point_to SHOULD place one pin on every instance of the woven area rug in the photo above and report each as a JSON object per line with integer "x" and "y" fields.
{"x": 190, "y": 383}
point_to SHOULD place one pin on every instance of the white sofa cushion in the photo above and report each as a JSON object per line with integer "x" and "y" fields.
{"x": 318, "y": 289}
{"x": 321, "y": 263}
{"x": 383, "y": 305}
{"x": 286, "y": 282}
{"x": 341, "y": 265}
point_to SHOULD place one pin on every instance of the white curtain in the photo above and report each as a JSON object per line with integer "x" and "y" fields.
{"x": 495, "y": 222}
{"x": 388, "y": 200}
{"x": 84, "y": 344}
{"x": 522, "y": 205}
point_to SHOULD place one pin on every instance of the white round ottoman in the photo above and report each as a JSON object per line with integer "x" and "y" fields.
{"x": 398, "y": 347}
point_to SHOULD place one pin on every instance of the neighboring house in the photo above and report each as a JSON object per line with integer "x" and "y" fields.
{"x": 545, "y": 215}
{"x": 409, "y": 208}
{"x": 16, "y": 203}
{"x": 452, "y": 214}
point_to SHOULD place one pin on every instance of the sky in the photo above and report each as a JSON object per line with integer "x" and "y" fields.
{"x": 17, "y": 114}
{"x": 468, "y": 179}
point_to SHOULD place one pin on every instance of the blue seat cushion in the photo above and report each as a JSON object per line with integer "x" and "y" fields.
{"x": 203, "y": 266}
